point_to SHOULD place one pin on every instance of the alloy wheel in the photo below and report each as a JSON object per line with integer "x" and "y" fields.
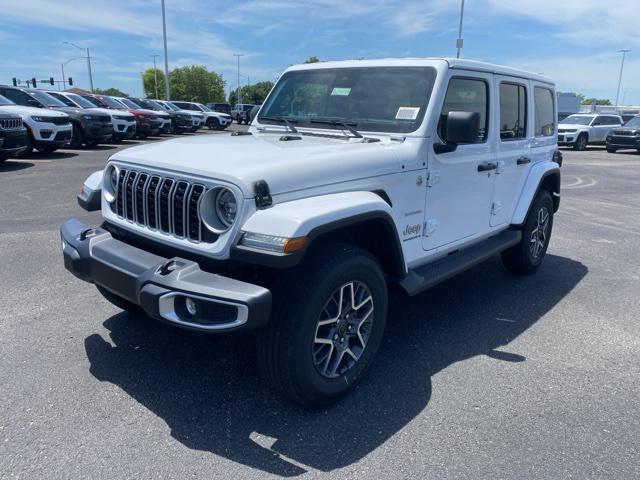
{"x": 539, "y": 234}
{"x": 343, "y": 329}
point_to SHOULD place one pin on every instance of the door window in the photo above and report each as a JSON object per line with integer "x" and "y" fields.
{"x": 513, "y": 111}
{"x": 18, "y": 97}
{"x": 466, "y": 95}
{"x": 545, "y": 123}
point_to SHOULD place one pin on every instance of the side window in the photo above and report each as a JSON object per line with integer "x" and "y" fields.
{"x": 466, "y": 95}
{"x": 599, "y": 121}
{"x": 17, "y": 96}
{"x": 513, "y": 111}
{"x": 545, "y": 122}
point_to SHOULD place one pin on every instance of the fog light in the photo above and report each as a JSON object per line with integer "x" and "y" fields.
{"x": 191, "y": 306}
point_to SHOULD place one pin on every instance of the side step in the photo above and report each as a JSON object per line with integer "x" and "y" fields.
{"x": 426, "y": 276}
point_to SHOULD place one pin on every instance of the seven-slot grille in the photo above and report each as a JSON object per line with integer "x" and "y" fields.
{"x": 10, "y": 123}
{"x": 161, "y": 203}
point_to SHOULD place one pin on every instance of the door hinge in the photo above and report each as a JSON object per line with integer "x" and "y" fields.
{"x": 496, "y": 207}
{"x": 430, "y": 226}
{"x": 433, "y": 177}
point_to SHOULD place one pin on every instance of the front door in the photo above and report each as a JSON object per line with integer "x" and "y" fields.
{"x": 460, "y": 183}
{"x": 514, "y": 143}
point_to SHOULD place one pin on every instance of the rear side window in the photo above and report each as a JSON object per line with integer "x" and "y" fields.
{"x": 545, "y": 118}
{"x": 513, "y": 111}
{"x": 466, "y": 95}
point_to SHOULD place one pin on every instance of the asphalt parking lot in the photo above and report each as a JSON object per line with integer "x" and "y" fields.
{"x": 488, "y": 375}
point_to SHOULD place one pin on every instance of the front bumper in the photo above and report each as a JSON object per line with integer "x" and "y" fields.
{"x": 623, "y": 141}
{"x": 567, "y": 138}
{"x": 161, "y": 285}
{"x": 97, "y": 130}
{"x": 13, "y": 142}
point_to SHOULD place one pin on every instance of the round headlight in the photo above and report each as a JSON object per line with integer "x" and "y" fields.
{"x": 226, "y": 206}
{"x": 218, "y": 209}
{"x": 110, "y": 183}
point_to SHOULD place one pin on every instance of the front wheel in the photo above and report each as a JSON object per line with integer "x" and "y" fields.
{"x": 213, "y": 124}
{"x": 329, "y": 317}
{"x": 611, "y": 149}
{"x": 527, "y": 256}
{"x": 581, "y": 143}
{"x": 77, "y": 138}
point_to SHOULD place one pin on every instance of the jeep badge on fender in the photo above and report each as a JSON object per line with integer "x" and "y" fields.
{"x": 299, "y": 238}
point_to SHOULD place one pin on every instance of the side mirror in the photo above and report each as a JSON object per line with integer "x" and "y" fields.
{"x": 460, "y": 127}
{"x": 254, "y": 111}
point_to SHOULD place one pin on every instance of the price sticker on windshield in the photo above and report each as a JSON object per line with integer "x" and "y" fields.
{"x": 341, "y": 91}
{"x": 407, "y": 113}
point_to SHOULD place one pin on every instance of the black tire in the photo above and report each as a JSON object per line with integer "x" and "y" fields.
{"x": 29, "y": 150}
{"x": 525, "y": 258}
{"x": 581, "y": 142}
{"x": 77, "y": 138}
{"x": 611, "y": 149}
{"x": 118, "y": 301}
{"x": 213, "y": 124}
{"x": 47, "y": 149}
{"x": 286, "y": 348}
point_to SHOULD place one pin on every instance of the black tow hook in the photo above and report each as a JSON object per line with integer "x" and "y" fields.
{"x": 87, "y": 232}
{"x": 168, "y": 267}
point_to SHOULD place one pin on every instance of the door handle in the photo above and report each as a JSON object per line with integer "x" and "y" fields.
{"x": 523, "y": 161}
{"x": 485, "y": 167}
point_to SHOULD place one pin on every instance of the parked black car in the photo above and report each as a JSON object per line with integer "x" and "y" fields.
{"x": 13, "y": 136}
{"x": 88, "y": 128}
{"x": 180, "y": 122}
{"x": 625, "y": 137}
{"x": 220, "y": 107}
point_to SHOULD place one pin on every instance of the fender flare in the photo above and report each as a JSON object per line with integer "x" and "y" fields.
{"x": 538, "y": 174}
{"x": 314, "y": 217}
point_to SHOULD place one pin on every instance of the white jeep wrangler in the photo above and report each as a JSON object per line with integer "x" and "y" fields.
{"x": 354, "y": 176}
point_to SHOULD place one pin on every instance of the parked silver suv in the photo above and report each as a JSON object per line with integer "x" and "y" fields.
{"x": 584, "y": 129}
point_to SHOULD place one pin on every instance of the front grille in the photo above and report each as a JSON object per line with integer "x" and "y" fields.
{"x": 62, "y": 136}
{"x": 60, "y": 120}
{"x": 102, "y": 119}
{"x": 123, "y": 117}
{"x": 162, "y": 204}
{"x": 624, "y": 133}
{"x": 11, "y": 123}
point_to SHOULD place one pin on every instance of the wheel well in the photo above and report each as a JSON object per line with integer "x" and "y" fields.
{"x": 376, "y": 236}
{"x": 551, "y": 183}
{"x": 583, "y": 134}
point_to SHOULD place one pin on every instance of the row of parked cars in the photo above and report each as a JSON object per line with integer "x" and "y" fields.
{"x": 580, "y": 130}
{"x": 48, "y": 120}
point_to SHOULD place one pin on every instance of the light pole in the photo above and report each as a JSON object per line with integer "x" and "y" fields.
{"x": 238, "y": 99}
{"x": 88, "y": 57}
{"x": 155, "y": 74}
{"x": 624, "y": 52}
{"x": 166, "y": 58}
{"x": 64, "y": 82}
{"x": 459, "y": 40}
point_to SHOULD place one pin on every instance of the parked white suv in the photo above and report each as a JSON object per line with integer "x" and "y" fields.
{"x": 582, "y": 129}
{"x": 48, "y": 130}
{"x": 197, "y": 118}
{"x": 213, "y": 120}
{"x": 354, "y": 175}
{"x": 124, "y": 123}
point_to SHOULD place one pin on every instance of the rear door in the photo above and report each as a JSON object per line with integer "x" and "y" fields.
{"x": 513, "y": 146}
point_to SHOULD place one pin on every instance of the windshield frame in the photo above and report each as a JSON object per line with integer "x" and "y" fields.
{"x": 44, "y": 97}
{"x": 375, "y": 124}
{"x": 565, "y": 122}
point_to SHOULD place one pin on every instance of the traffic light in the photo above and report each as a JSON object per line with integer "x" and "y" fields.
{"x": 51, "y": 81}
{"x": 70, "y": 82}
{"x": 15, "y": 82}
{"x": 34, "y": 84}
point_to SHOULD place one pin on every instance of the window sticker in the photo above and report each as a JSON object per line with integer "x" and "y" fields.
{"x": 407, "y": 113}
{"x": 341, "y": 91}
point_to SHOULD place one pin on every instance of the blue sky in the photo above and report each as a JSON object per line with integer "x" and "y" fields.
{"x": 573, "y": 41}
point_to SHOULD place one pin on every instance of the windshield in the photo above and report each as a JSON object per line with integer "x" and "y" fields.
{"x": 83, "y": 102}
{"x": 128, "y": 103}
{"x": 5, "y": 101}
{"x": 634, "y": 122}
{"x": 171, "y": 106}
{"x": 46, "y": 99}
{"x": 93, "y": 100}
{"x": 113, "y": 103}
{"x": 577, "y": 120}
{"x": 376, "y": 99}
{"x": 204, "y": 108}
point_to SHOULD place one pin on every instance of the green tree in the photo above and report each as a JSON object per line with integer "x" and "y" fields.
{"x": 149, "y": 81}
{"x": 312, "y": 59}
{"x": 196, "y": 84}
{"x": 599, "y": 101}
{"x": 111, "y": 91}
{"x": 255, "y": 93}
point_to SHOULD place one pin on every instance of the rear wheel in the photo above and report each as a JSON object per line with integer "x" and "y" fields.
{"x": 581, "y": 142}
{"x": 611, "y": 149}
{"x": 327, "y": 323}
{"x": 527, "y": 256}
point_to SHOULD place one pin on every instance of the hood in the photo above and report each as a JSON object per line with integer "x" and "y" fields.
{"x": 285, "y": 165}
{"x": 20, "y": 110}
{"x": 110, "y": 112}
{"x": 73, "y": 111}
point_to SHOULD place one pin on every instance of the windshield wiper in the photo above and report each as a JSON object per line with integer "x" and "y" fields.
{"x": 337, "y": 123}
{"x": 288, "y": 122}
